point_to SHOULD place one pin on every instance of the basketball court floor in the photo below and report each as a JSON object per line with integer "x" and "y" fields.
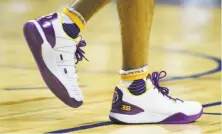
{"x": 185, "y": 42}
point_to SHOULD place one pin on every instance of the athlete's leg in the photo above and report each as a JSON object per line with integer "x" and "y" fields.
{"x": 135, "y": 19}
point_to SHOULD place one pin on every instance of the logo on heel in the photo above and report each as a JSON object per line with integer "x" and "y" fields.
{"x": 126, "y": 108}
{"x": 122, "y": 107}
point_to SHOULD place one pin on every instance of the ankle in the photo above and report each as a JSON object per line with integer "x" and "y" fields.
{"x": 72, "y": 22}
{"x": 75, "y": 16}
{"x": 134, "y": 80}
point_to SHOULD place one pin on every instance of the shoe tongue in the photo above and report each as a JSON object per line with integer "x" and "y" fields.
{"x": 66, "y": 19}
{"x": 149, "y": 84}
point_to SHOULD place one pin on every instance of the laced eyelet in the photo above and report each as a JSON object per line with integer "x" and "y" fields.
{"x": 65, "y": 71}
{"x": 61, "y": 57}
{"x": 79, "y": 52}
{"x": 155, "y": 78}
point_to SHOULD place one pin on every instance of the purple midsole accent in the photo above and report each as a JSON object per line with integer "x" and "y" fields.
{"x": 35, "y": 41}
{"x": 178, "y": 118}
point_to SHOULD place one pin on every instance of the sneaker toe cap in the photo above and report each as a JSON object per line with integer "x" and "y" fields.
{"x": 192, "y": 108}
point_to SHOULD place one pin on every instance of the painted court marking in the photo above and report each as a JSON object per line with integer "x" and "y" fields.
{"x": 215, "y": 70}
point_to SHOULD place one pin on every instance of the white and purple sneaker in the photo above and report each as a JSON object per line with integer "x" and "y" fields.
{"x": 153, "y": 106}
{"x": 56, "y": 55}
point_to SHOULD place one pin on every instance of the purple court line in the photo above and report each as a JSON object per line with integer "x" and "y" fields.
{"x": 212, "y": 104}
{"x": 212, "y": 113}
{"x": 83, "y": 127}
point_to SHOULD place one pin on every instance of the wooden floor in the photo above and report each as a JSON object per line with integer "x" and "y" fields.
{"x": 185, "y": 42}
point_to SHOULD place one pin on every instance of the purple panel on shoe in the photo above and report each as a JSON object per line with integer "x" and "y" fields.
{"x": 35, "y": 41}
{"x": 180, "y": 118}
{"x": 119, "y": 106}
{"x": 46, "y": 24}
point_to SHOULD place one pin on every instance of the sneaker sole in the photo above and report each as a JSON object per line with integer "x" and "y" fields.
{"x": 178, "y": 118}
{"x": 35, "y": 42}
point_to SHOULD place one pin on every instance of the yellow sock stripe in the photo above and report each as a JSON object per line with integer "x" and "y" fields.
{"x": 134, "y": 76}
{"x": 74, "y": 17}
